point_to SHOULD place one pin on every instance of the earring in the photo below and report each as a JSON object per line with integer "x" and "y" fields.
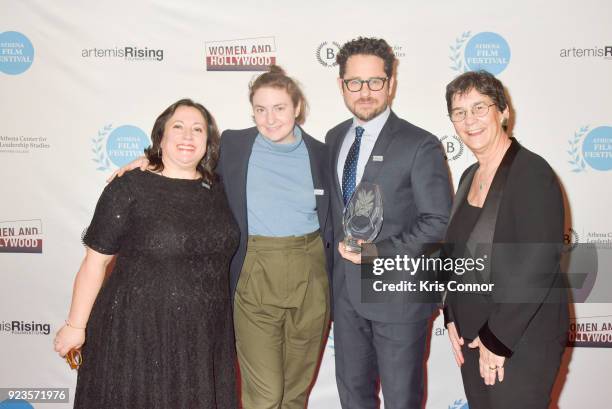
{"x": 159, "y": 151}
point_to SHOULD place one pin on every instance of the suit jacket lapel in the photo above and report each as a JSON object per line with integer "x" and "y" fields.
{"x": 239, "y": 169}
{"x": 463, "y": 189}
{"x": 317, "y": 168}
{"x": 372, "y": 167}
{"x": 334, "y": 149}
{"x": 480, "y": 242}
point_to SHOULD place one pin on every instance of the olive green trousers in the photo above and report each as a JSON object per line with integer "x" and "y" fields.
{"x": 281, "y": 317}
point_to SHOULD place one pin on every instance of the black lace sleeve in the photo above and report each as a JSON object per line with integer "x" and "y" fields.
{"x": 110, "y": 218}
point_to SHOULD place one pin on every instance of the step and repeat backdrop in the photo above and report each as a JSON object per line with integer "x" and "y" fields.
{"x": 82, "y": 82}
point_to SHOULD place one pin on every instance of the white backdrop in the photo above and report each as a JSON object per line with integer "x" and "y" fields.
{"x": 73, "y": 106}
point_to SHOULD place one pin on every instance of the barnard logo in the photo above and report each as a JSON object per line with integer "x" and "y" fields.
{"x": 21, "y": 236}
{"x": 453, "y": 146}
{"x": 16, "y": 327}
{"x": 116, "y": 147}
{"x": 570, "y": 239}
{"x": 459, "y": 404}
{"x": 483, "y": 51}
{"x": 247, "y": 54}
{"x": 591, "y": 148}
{"x": 16, "y": 53}
{"x": 327, "y": 52}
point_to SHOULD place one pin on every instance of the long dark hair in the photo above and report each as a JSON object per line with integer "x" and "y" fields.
{"x": 207, "y": 165}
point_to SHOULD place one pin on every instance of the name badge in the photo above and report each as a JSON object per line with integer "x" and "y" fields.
{"x": 319, "y": 192}
{"x": 377, "y": 158}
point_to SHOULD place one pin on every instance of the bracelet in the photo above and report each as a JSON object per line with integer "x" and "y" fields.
{"x": 68, "y": 324}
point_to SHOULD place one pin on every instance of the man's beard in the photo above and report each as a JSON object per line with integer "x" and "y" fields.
{"x": 370, "y": 114}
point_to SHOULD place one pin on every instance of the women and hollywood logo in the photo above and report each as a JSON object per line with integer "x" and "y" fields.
{"x": 484, "y": 51}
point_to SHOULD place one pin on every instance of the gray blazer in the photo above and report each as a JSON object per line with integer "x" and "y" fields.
{"x": 417, "y": 196}
{"x": 235, "y": 151}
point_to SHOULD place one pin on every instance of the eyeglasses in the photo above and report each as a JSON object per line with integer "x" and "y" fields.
{"x": 374, "y": 84}
{"x": 478, "y": 110}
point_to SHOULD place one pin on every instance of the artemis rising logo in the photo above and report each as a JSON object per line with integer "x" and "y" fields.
{"x": 126, "y": 53}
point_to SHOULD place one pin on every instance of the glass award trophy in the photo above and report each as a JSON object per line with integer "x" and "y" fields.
{"x": 363, "y": 216}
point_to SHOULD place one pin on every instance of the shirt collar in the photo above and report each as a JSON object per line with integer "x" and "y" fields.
{"x": 374, "y": 125}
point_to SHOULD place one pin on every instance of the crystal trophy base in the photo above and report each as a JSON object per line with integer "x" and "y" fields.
{"x": 351, "y": 245}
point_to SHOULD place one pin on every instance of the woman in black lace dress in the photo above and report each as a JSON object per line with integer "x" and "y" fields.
{"x": 158, "y": 332}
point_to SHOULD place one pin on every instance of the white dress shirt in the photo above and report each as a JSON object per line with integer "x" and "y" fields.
{"x": 372, "y": 129}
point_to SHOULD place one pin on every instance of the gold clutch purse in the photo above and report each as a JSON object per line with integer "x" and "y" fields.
{"x": 74, "y": 358}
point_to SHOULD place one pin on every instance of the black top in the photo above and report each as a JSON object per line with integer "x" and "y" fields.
{"x": 460, "y": 228}
{"x": 160, "y": 332}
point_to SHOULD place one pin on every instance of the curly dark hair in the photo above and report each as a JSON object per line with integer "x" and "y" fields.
{"x": 366, "y": 46}
{"x": 276, "y": 77}
{"x": 483, "y": 82}
{"x": 207, "y": 165}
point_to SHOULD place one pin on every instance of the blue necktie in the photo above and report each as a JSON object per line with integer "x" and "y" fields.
{"x": 349, "y": 173}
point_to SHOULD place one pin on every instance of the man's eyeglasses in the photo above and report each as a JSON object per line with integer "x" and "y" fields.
{"x": 374, "y": 84}
{"x": 478, "y": 110}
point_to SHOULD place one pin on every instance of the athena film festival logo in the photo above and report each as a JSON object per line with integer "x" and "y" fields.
{"x": 16, "y": 53}
{"x": 246, "y": 54}
{"x": 116, "y": 147}
{"x": 483, "y": 51}
{"x": 459, "y": 404}
{"x": 453, "y": 147}
{"x": 590, "y": 148}
{"x": 21, "y": 236}
{"x": 326, "y": 53}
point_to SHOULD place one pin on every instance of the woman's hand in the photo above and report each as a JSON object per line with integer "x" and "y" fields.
{"x": 456, "y": 342}
{"x": 68, "y": 338}
{"x": 141, "y": 162}
{"x": 491, "y": 365}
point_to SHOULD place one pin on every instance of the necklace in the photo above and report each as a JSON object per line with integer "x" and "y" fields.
{"x": 484, "y": 180}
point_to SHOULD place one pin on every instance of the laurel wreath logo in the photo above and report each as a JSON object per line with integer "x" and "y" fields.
{"x": 98, "y": 148}
{"x": 574, "y": 151}
{"x": 458, "y": 63}
{"x": 459, "y": 141}
{"x": 321, "y": 60}
{"x": 570, "y": 240}
{"x": 458, "y": 404}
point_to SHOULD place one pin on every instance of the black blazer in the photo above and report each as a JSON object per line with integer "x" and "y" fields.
{"x": 521, "y": 227}
{"x": 235, "y": 151}
{"x": 408, "y": 163}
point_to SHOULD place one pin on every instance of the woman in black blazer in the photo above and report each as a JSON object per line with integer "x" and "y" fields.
{"x": 277, "y": 182}
{"x": 508, "y": 212}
